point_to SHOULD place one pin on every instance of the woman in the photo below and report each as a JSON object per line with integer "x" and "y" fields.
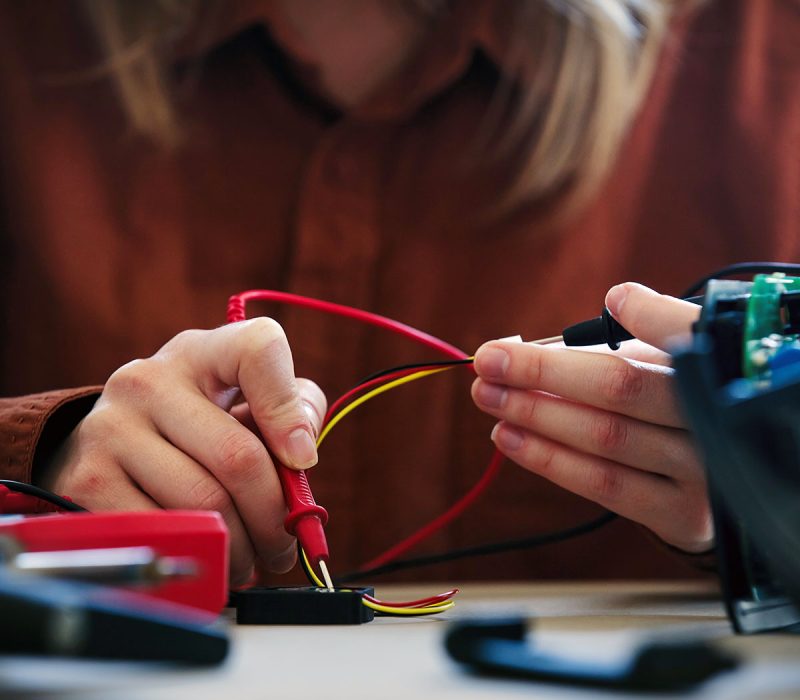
{"x": 473, "y": 170}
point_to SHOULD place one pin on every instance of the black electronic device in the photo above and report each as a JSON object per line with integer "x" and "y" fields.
{"x": 499, "y": 646}
{"x": 739, "y": 382}
{"x": 301, "y": 606}
{"x": 48, "y": 617}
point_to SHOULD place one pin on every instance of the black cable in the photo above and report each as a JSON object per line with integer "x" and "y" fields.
{"x": 743, "y": 269}
{"x": 43, "y": 494}
{"x": 480, "y": 550}
{"x": 578, "y": 530}
{"x": 304, "y": 565}
{"x": 415, "y": 365}
{"x": 605, "y": 329}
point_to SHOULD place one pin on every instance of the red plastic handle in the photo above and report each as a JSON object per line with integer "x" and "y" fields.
{"x": 305, "y": 519}
{"x": 24, "y": 504}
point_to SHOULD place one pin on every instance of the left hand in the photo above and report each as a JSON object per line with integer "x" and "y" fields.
{"x": 165, "y": 433}
{"x": 605, "y": 425}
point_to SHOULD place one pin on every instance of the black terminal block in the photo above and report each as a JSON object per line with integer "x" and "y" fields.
{"x": 301, "y": 606}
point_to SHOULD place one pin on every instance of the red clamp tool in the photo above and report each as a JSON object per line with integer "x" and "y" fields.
{"x": 197, "y": 539}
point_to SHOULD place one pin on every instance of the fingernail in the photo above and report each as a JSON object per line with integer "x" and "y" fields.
{"x": 301, "y": 449}
{"x": 490, "y": 395}
{"x": 492, "y": 362}
{"x": 616, "y": 298}
{"x": 313, "y": 417}
{"x": 507, "y": 438}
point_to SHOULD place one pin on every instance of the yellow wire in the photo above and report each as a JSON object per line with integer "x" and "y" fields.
{"x": 311, "y": 571}
{"x": 427, "y": 610}
{"x": 375, "y": 392}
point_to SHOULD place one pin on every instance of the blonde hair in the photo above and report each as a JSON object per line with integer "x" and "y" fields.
{"x": 577, "y": 73}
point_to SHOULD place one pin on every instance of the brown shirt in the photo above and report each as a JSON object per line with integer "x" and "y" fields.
{"x": 111, "y": 245}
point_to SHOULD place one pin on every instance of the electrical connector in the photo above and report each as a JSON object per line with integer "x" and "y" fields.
{"x": 301, "y": 606}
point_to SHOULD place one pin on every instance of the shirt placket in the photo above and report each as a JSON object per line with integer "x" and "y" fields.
{"x": 336, "y": 247}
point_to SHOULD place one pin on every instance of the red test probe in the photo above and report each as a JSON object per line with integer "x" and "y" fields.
{"x": 306, "y": 519}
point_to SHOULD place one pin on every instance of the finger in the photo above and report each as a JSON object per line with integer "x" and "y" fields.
{"x": 86, "y": 470}
{"x": 665, "y": 451}
{"x": 612, "y": 383}
{"x": 642, "y": 352}
{"x": 314, "y": 403}
{"x": 254, "y": 355}
{"x": 281, "y": 563}
{"x": 655, "y": 318}
{"x": 237, "y": 459}
{"x": 646, "y": 498}
{"x": 175, "y": 480}
{"x": 101, "y": 484}
{"x": 633, "y": 350}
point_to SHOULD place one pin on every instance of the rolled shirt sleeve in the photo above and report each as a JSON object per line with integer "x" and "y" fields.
{"x": 32, "y": 427}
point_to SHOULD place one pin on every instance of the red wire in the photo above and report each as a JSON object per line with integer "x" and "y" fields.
{"x": 236, "y": 312}
{"x": 422, "y": 602}
{"x": 336, "y": 405}
{"x": 441, "y": 521}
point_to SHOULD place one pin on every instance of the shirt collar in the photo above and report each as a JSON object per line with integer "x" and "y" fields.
{"x": 462, "y": 28}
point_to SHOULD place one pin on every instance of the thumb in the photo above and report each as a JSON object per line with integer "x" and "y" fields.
{"x": 656, "y": 319}
{"x": 314, "y": 402}
{"x": 254, "y": 356}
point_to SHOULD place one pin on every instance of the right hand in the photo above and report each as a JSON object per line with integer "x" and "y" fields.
{"x": 187, "y": 428}
{"x": 604, "y": 425}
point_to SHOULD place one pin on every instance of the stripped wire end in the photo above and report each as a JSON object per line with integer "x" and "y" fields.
{"x": 394, "y": 610}
{"x": 431, "y": 605}
{"x": 425, "y": 606}
{"x": 552, "y": 340}
{"x": 323, "y": 567}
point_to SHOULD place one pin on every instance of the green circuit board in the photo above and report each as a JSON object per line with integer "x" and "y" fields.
{"x": 765, "y": 335}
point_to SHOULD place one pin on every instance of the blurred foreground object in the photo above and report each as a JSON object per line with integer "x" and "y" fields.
{"x": 739, "y": 381}
{"x": 168, "y": 571}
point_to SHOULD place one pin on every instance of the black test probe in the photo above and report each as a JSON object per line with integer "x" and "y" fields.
{"x": 603, "y": 329}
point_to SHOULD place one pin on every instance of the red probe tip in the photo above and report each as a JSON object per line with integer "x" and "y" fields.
{"x": 305, "y": 519}
{"x": 311, "y": 536}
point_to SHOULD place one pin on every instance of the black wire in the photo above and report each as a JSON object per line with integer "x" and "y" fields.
{"x": 310, "y": 575}
{"x": 304, "y": 566}
{"x": 480, "y": 550}
{"x": 553, "y": 537}
{"x": 742, "y": 269}
{"x": 43, "y": 494}
{"x": 561, "y": 535}
{"x": 415, "y": 365}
